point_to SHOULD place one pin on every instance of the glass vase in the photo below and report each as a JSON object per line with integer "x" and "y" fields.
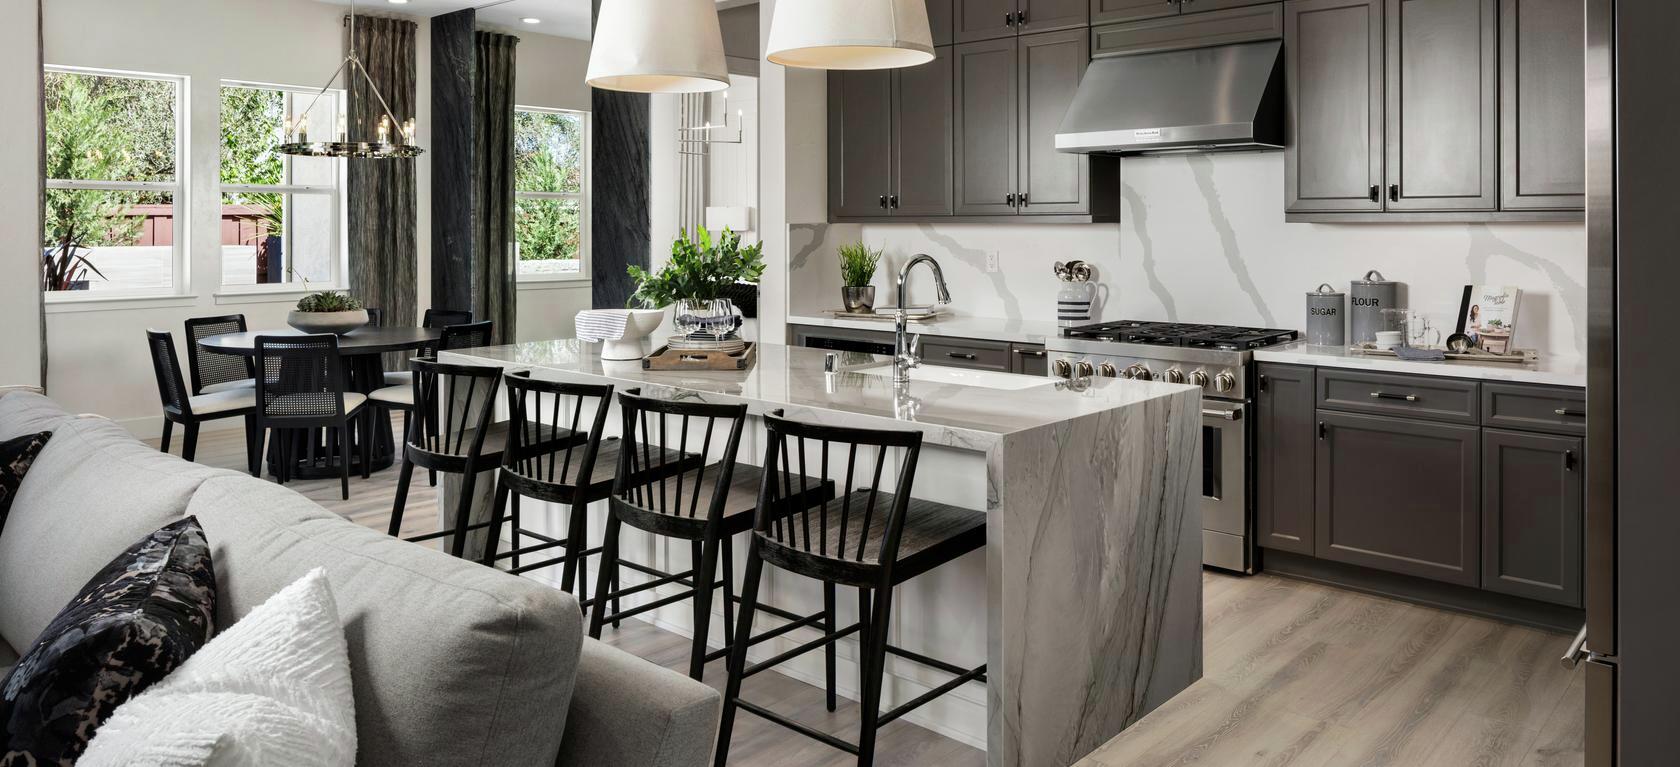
{"x": 714, "y": 319}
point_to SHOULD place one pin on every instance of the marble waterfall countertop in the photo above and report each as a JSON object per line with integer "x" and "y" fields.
{"x": 1089, "y": 609}
{"x": 1553, "y": 372}
{"x": 792, "y": 378}
{"x": 992, "y": 328}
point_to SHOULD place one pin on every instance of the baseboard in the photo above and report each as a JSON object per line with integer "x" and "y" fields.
{"x": 1423, "y": 591}
{"x": 151, "y": 427}
{"x": 905, "y": 680}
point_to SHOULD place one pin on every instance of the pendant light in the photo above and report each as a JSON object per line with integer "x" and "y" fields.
{"x": 658, "y": 46}
{"x": 850, "y": 34}
{"x": 298, "y": 139}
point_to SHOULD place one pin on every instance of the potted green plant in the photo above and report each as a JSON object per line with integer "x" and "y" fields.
{"x": 328, "y": 312}
{"x": 857, "y": 269}
{"x": 697, "y": 279}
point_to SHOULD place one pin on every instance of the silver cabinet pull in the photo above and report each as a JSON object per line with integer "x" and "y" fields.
{"x": 1228, "y": 415}
{"x": 1577, "y": 650}
{"x": 1386, "y": 395}
{"x": 1566, "y": 411}
{"x": 1030, "y": 352}
{"x": 959, "y": 356}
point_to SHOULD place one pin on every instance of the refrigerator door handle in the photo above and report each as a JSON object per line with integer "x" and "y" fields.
{"x": 1577, "y": 651}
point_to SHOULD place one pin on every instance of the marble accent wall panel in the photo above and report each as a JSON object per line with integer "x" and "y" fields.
{"x": 1094, "y": 574}
{"x": 454, "y": 61}
{"x": 1202, "y": 238}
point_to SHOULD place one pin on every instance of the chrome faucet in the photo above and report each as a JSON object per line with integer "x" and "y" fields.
{"x": 904, "y": 346}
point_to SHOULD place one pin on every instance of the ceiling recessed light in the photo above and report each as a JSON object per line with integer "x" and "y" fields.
{"x": 530, "y": 20}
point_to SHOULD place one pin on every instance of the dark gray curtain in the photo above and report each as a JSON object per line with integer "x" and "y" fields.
{"x": 381, "y": 195}
{"x": 496, "y": 292}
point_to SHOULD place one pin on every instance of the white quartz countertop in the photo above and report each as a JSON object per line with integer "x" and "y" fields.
{"x": 1554, "y": 372}
{"x": 991, "y": 328}
{"x": 792, "y": 379}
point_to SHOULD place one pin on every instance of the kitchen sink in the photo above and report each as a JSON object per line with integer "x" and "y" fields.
{"x": 938, "y": 374}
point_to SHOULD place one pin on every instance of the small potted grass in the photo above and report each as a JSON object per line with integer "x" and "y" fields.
{"x": 857, "y": 270}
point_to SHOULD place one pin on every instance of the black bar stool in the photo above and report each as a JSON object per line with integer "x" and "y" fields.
{"x": 652, "y": 495}
{"x": 453, "y": 430}
{"x": 866, "y": 538}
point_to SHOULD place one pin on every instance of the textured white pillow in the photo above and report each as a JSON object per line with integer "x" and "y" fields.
{"x": 273, "y": 689}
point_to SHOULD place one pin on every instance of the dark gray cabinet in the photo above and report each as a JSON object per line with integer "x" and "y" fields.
{"x": 889, "y": 141}
{"x": 1050, "y": 67}
{"x": 1442, "y": 101}
{"x": 1333, "y": 65}
{"x": 1199, "y": 6}
{"x": 1542, "y": 151}
{"x": 989, "y": 19}
{"x": 1399, "y": 495}
{"x": 860, "y": 129}
{"x": 940, "y": 21}
{"x": 922, "y": 180}
{"x": 1532, "y": 502}
{"x": 1285, "y": 434}
{"x": 1029, "y": 359}
{"x": 971, "y": 353}
{"x": 1050, "y": 15}
{"x": 1104, "y": 11}
{"x": 1195, "y": 30}
{"x": 985, "y": 144}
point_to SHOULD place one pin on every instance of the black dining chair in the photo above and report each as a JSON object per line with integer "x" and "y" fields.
{"x": 434, "y": 319}
{"x": 867, "y": 537}
{"x": 190, "y": 410}
{"x": 301, "y": 388}
{"x": 376, "y": 317}
{"x": 217, "y": 371}
{"x": 704, "y": 504}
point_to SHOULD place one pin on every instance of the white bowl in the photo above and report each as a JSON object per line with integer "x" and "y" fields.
{"x": 638, "y": 324}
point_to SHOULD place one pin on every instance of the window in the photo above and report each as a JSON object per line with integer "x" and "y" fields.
{"x": 551, "y": 202}
{"x": 114, "y": 189}
{"x": 282, "y": 217}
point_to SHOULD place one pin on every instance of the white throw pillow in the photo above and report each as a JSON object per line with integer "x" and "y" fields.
{"x": 273, "y": 689}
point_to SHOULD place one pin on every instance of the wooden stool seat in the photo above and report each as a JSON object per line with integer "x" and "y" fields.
{"x": 934, "y": 533}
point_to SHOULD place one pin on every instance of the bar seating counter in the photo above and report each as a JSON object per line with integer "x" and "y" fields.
{"x": 1086, "y": 601}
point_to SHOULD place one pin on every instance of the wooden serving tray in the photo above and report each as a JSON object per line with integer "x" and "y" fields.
{"x": 666, "y": 358}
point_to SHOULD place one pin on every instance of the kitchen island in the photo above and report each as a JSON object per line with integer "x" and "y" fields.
{"x": 1085, "y": 603}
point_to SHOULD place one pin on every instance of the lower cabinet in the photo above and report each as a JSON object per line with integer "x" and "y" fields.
{"x": 1284, "y": 441}
{"x": 1029, "y": 359}
{"x": 1532, "y": 504}
{"x": 1399, "y": 495}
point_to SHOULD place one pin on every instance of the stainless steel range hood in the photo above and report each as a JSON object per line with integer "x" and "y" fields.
{"x": 1222, "y": 98}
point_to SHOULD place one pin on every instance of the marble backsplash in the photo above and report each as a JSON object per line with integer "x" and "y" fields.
{"x": 1202, "y": 239}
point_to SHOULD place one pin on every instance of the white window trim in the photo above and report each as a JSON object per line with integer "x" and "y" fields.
{"x": 584, "y": 198}
{"x": 180, "y": 275}
{"x": 283, "y": 291}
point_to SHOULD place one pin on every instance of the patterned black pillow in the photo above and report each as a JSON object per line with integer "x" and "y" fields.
{"x": 16, "y": 455}
{"x": 133, "y": 623}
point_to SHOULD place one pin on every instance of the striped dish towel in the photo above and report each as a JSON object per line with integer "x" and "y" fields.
{"x": 601, "y": 324}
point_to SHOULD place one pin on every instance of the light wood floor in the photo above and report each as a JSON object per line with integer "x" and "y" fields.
{"x": 1296, "y": 674}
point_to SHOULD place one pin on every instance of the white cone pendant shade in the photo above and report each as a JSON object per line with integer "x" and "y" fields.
{"x": 850, "y": 34}
{"x": 658, "y": 46}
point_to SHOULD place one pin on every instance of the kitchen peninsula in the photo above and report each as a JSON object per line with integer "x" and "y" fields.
{"x": 1086, "y": 602}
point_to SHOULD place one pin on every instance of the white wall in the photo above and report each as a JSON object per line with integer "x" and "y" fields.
{"x": 98, "y": 360}
{"x": 20, "y": 223}
{"x": 1202, "y": 239}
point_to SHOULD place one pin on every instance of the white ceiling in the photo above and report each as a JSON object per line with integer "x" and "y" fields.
{"x": 561, "y": 18}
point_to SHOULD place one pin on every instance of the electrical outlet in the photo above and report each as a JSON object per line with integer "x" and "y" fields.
{"x": 991, "y": 262}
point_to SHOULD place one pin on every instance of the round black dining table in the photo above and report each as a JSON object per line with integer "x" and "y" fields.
{"x": 361, "y": 349}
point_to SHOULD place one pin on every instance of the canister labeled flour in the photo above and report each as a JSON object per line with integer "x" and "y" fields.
{"x": 1369, "y": 297}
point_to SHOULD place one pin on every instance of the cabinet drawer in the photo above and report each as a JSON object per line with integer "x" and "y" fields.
{"x": 1436, "y": 399}
{"x": 1197, "y": 30}
{"x": 1029, "y": 359}
{"x": 966, "y": 354}
{"x": 1558, "y": 410}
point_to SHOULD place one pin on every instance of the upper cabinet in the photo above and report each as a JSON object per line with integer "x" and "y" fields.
{"x": 975, "y": 20}
{"x": 939, "y": 20}
{"x": 1542, "y": 150}
{"x": 889, "y": 140}
{"x": 1433, "y": 110}
{"x": 1105, "y": 11}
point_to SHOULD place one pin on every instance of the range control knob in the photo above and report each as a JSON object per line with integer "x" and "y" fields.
{"x": 1173, "y": 375}
{"x": 1106, "y": 370}
{"x": 1224, "y": 382}
{"x": 1085, "y": 370}
{"x": 1140, "y": 373}
{"x": 1199, "y": 378}
{"x": 1062, "y": 368}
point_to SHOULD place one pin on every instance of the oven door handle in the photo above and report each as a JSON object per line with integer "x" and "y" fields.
{"x": 1229, "y": 415}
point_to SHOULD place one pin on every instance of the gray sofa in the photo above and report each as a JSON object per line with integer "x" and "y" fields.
{"x": 453, "y": 663}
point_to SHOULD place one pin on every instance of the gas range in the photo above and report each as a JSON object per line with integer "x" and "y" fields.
{"x": 1214, "y": 357}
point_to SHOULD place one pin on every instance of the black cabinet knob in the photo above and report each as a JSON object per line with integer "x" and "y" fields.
{"x": 883, "y": 202}
{"x": 1394, "y": 192}
{"x": 1020, "y": 18}
{"x": 1008, "y": 19}
{"x": 1022, "y": 199}
{"x": 892, "y": 201}
{"x": 1375, "y": 194}
{"x": 1009, "y": 199}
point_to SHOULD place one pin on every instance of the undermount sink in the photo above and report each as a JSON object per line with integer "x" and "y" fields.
{"x": 938, "y": 374}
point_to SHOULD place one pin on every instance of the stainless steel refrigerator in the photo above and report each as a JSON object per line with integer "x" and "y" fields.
{"x": 1631, "y": 643}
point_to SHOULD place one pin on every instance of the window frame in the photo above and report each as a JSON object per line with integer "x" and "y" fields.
{"x": 584, "y": 197}
{"x": 180, "y": 277}
{"x": 340, "y": 205}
